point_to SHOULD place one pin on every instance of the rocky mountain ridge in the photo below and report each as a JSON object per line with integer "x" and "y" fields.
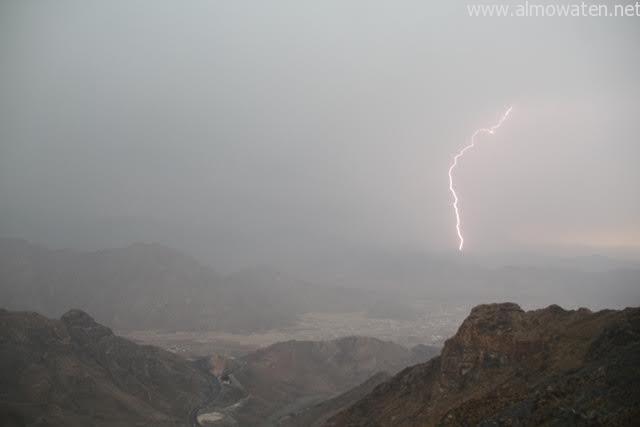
{"x": 506, "y": 366}
{"x": 76, "y": 372}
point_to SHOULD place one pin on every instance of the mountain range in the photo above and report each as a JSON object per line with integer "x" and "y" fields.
{"x": 150, "y": 286}
{"x": 504, "y": 366}
{"x": 74, "y": 371}
{"x": 153, "y": 287}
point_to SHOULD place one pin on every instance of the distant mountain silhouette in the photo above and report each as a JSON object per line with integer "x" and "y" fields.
{"x": 150, "y": 286}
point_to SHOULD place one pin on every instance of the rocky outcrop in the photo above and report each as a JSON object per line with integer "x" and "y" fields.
{"x": 506, "y": 366}
{"x": 74, "y": 371}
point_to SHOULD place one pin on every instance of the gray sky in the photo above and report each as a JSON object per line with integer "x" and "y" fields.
{"x": 248, "y": 132}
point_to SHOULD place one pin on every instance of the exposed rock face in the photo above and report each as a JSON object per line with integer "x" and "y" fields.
{"x": 74, "y": 371}
{"x": 506, "y": 366}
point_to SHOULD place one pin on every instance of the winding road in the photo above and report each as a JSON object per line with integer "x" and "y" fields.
{"x": 193, "y": 414}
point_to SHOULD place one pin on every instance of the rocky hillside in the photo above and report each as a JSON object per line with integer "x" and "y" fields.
{"x": 317, "y": 415}
{"x": 322, "y": 366}
{"x": 506, "y": 366}
{"x": 288, "y": 377}
{"x": 76, "y": 372}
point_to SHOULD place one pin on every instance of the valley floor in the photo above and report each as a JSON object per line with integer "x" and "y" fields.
{"x": 432, "y": 328}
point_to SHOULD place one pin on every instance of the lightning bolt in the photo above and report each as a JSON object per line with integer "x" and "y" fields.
{"x": 491, "y": 130}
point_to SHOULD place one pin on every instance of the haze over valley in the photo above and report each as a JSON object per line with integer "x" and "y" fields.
{"x": 159, "y": 295}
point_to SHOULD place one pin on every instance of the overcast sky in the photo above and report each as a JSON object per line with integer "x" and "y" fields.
{"x": 246, "y": 132}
